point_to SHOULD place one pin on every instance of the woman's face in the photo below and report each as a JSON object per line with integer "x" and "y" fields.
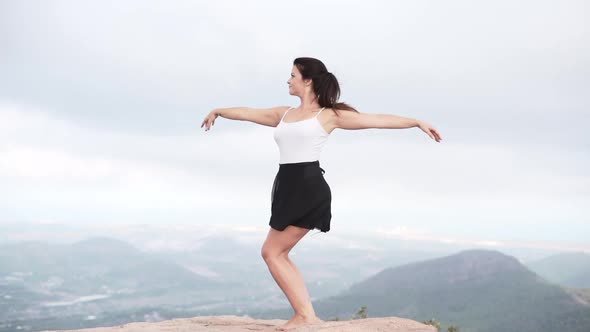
{"x": 296, "y": 82}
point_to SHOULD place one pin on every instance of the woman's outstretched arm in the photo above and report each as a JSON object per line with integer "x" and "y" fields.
{"x": 354, "y": 120}
{"x": 263, "y": 116}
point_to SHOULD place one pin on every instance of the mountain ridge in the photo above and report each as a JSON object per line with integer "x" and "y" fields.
{"x": 478, "y": 290}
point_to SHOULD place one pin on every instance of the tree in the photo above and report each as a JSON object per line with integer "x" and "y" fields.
{"x": 432, "y": 322}
{"x": 362, "y": 313}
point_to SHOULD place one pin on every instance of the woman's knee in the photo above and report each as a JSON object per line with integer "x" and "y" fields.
{"x": 274, "y": 248}
{"x": 269, "y": 252}
{"x": 281, "y": 242}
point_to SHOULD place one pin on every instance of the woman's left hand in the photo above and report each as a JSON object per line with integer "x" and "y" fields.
{"x": 430, "y": 130}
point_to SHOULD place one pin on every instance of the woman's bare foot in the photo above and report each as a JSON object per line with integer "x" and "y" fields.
{"x": 298, "y": 321}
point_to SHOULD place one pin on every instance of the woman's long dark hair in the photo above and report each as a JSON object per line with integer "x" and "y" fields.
{"x": 325, "y": 84}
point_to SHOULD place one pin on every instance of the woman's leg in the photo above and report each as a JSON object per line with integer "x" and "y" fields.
{"x": 275, "y": 252}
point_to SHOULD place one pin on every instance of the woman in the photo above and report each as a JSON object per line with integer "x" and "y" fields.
{"x": 300, "y": 196}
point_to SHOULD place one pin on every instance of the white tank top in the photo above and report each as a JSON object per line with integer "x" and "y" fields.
{"x": 300, "y": 141}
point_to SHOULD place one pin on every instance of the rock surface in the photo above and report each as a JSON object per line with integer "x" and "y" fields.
{"x": 233, "y": 323}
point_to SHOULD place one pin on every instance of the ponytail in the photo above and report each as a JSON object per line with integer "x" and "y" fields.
{"x": 325, "y": 84}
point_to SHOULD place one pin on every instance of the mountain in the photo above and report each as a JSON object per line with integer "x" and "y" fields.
{"x": 566, "y": 269}
{"x": 94, "y": 265}
{"x": 49, "y": 282}
{"x": 477, "y": 290}
{"x": 101, "y": 281}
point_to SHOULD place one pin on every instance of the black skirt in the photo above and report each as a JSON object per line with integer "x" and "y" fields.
{"x": 300, "y": 196}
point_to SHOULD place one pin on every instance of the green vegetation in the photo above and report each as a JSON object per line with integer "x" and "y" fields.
{"x": 436, "y": 324}
{"x": 432, "y": 322}
{"x": 362, "y": 313}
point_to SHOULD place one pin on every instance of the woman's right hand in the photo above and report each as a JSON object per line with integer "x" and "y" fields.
{"x": 209, "y": 120}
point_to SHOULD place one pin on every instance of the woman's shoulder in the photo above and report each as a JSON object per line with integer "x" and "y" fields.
{"x": 333, "y": 111}
{"x": 333, "y": 116}
{"x": 282, "y": 109}
{"x": 279, "y": 110}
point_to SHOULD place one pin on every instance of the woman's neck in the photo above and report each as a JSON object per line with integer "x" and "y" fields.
{"x": 309, "y": 104}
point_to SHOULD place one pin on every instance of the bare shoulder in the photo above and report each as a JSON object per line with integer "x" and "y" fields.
{"x": 280, "y": 110}
{"x": 329, "y": 119}
{"x": 265, "y": 116}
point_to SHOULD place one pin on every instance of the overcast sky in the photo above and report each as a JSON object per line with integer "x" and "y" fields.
{"x": 101, "y": 104}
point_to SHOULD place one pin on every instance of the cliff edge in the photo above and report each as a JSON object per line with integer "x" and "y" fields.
{"x": 234, "y": 323}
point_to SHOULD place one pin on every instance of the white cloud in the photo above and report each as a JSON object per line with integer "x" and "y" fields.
{"x": 103, "y": 119}
{"x": 375, "y": 174}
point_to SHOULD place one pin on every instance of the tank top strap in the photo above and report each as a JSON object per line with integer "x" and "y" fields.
{"x": 286, "y": 113}
{"x": 319, "y": 112}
